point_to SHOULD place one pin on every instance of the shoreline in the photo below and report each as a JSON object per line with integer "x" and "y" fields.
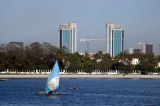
{"x": 83, "y": 76}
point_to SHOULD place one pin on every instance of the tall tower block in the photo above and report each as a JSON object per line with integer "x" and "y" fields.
{"x": 68, "y": 37}
{"x": 115, "y": 39}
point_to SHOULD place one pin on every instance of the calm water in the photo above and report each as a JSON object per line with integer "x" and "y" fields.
{"x": 91, "y": 92}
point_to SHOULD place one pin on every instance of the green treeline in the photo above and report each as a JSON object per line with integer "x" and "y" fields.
{"x": 16, "y": 56}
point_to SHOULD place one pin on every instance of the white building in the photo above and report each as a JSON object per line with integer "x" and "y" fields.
{"x": 135, "y": 61}
{"x": 158, "y": 65}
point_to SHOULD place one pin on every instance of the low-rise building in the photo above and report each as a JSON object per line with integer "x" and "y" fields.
{"x": 134, "y": 50}
{"x": 135, "y": 61}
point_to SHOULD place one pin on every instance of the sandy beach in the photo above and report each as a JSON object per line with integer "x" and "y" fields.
{"x": 85, "y": 76}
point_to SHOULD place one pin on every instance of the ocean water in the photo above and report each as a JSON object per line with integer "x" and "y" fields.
{"x": 91, "y": 92}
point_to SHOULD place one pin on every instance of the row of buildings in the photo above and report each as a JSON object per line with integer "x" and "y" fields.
{"x": 145, "y": 48}
{"x": 114, "y": 38}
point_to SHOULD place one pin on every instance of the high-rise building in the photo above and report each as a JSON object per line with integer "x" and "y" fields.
{"x": 145, "y": 47}
{"x": 142, "y": 47}
{"x": 149, "y": 48}
{"x": 68, "y": 37}
{"x": 131, "y": 50}
{"x": 115, "y": 39}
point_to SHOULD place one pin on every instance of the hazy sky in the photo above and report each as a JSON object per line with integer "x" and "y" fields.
{"x": 38, "y": 20}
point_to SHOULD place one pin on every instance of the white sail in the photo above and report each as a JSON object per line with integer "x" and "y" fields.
{"x": 53, "y": 80}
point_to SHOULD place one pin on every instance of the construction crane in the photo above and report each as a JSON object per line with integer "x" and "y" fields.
{"x": 88, "y": 40}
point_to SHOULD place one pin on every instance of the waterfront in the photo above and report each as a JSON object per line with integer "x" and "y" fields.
{"x": 94, "y": 92}
{"x": 119, "y": 76}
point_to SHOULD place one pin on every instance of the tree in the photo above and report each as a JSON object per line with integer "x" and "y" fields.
{"x": 49, "y": 52}
{"x": 74, "y": 62}
{"x": 103, "y": 61}
{"x": 147, "y": 63}
{"x": 3, "y": 57}
{"x": 34, "y": 56}
{"x": 16, "y": 57}
{"x": 88, "y": 64}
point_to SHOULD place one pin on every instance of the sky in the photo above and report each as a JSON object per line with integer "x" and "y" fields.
{"x": 38, "y": 20}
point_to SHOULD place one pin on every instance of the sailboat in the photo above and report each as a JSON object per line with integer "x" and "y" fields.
{"x": 53, "y": 79}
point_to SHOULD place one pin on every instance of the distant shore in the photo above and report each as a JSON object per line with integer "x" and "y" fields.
{"x": 84, "y": 76}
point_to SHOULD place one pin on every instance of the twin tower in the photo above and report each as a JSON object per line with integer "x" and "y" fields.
{"x": 115, "y": 38}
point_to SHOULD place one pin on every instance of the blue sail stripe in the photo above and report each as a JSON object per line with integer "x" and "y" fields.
{"x": 55, "y": 72}
{"x": 47, "y": 89}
